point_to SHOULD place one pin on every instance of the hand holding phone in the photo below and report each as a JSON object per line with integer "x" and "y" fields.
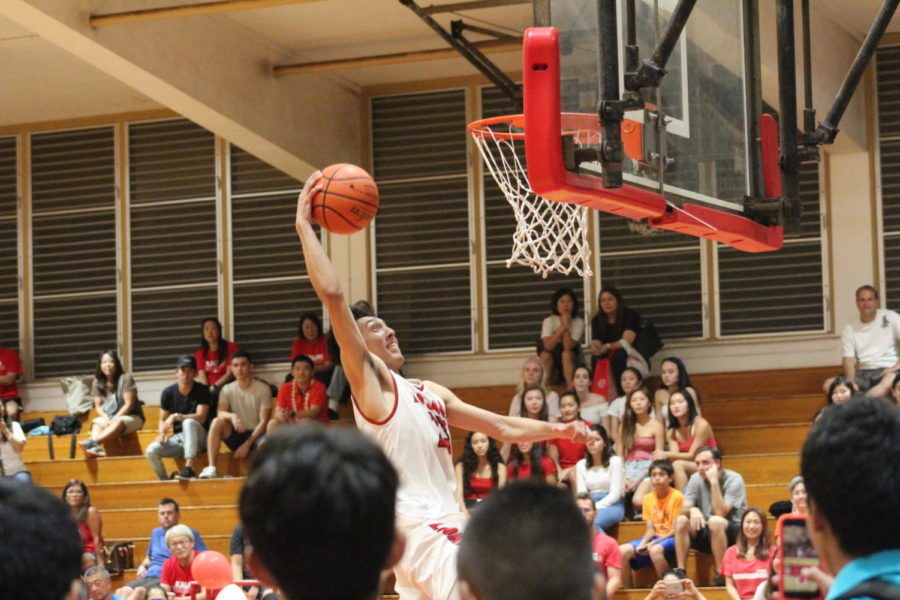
{"x": 797, "y": 553}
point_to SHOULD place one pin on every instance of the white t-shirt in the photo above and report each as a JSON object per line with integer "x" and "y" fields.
{"x": 873, "y": 344}
{"x": 552, "y": 323}
{"x": 12, "y": 460}
{"x": 610, "y": 480}
{"x": 595, "y": 412}
{"x": 246, "y": 403}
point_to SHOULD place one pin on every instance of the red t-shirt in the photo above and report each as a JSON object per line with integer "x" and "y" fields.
{"x": 291, "y": 399}
{"x": 211, "y": 365}
{"x": 605, "y": 552}
{"x": 9, "y": 363}
{"x": 177, "y": 577}
{"x": 747, "y": 574}
{"x": 547, "y": 466}
{"x": 569, "y": 452}
{"x": 481, "y": 487}
{"x": 317, "y": 350}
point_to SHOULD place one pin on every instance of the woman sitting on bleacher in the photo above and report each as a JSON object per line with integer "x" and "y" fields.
{"x": 797, "y": 489}
{"x": 90, "y": 525}
{"x": 214, "y": 358}
{"x": 12, "y": 442}
{"x": 674, "y": 376}
{"x": 746, "y": 564}
{"x": 479, "y": 472}
{"x": 528, "y": 460}
{"x": 613, "y": 329}
{"x": 532, "y": 406}
{"x": 687, "y": 431}
{"x": 562, "y": 333}
{"x": 594, "y": 407}
{"x": 631, "y": 380}
{"x": 533, "y": 374}
{"x": 840, "y": 390}
{"x": 602, "y": 475}
{"x": 116, "y": 403}
{"x": 564, "y": 451}
{"x": 313, "y": 342}
{"x": 639, "y": 437}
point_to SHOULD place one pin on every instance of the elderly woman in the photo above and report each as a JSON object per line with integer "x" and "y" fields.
{"x": 176, "y": 571}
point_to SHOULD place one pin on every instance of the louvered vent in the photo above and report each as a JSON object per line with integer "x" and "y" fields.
{"x": 888, "y": 69}
{"x": 9, "y": 274}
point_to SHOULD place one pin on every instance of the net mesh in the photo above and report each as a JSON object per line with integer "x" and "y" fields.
{"x": 549, "y": 236}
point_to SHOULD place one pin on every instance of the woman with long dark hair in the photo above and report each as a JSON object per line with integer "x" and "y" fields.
{"x": 687, "y": 431}
{"x": 312, "y": 342}
{"x": 559, "y": 346}
{"x": 90, "y": 525}
{"x": 674, "y": 376}
{"x": 602, "y": 475}
{"x": 613, "y": 330}
{"x": 214, "y": 357}
{"x": 115, "y": 401}
{"x": 479, "y": 471}
{"x": 528, "y": 460}
{"x": 12, "y": 442}
{"x": 746, "y": 564}
{"x": 639, "y": 437}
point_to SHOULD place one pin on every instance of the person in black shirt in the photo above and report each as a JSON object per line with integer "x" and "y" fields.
{"x": 613, "y": 329}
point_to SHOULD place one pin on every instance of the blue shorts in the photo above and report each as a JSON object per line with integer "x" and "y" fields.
{"x": 643, "y": 560}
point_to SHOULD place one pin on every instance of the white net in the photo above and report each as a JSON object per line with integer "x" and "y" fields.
{"x": 550, "y": 236}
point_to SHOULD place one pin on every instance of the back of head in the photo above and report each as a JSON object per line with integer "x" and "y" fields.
{"x": 41, "y": 550}
{"x": 851, "y": 469}
{"x": 527, "y": 541}
{"x": 325, "y": 493}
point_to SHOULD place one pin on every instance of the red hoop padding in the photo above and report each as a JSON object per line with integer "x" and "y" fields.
{"x": 549, "y": 178}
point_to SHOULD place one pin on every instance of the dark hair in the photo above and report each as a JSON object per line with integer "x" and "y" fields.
{"x": 607, "y": 452}
{"x": 664, "y": 464}
{"x": 304, "y": 359}
{"x": 535, "y": 456}
{"x": 221, "y": 344}
{"x": 469, "y": 461}
{"x": 638, "y": 374}
{"x": 629, "y": 419}
{"x": 619, "y": 324}
{"x": 866, "y": 287}
{"x": 676, "y": 571}
{"x": 545, "y": 412}
{"x": 761, "y": 552}
{"x": 164, "y": 501}
{"x": 692, "y": 409}
{"x": 242, "y": 354}
{"x": 156, "y": 587}
{"x": 715, "y": 452}
{"x": 684, "y": 380}
{"x": 358, "y": 311}
{"x": 851, "y": 469}
{"x": 841, "y": 380}
{"x": 101, "y": 377}
{"x": 559, "y": 293}
{"x": 85, "y": 506}
{"x": 528, "y": 515}
{"x": 312, "y": 317}
{"x": 574, "y": 395}
{"x": 41, "y": 551}
{"x": 309, "y": 491}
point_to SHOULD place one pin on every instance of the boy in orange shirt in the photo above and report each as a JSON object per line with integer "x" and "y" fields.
{"x": 660, "y": 508}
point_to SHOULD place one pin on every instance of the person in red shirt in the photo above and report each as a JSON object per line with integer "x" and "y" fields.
{"x": 523, "y": 456}
{"x": 746, "y": 564}
{"x": 301, "y": 399}
{"x": 313, "y": 342}
{"x": 176, "y": 574}
{"x": 214, "y": 357}
{"x": 565, "y": 452}
{"x": 10, "y": 372}
{"x": 605, "y": 549}
{"x": 479, "y": 471}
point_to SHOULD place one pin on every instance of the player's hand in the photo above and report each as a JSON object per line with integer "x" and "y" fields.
{"x": 304, "y": 201}
{"x": 697, "y": 520}
{"x": 576, "y": 431}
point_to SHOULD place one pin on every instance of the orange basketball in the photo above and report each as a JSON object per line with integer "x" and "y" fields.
{"x": 348, "y": 201}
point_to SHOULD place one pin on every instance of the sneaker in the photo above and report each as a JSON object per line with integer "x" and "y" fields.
{"x": 208, "y": 472}
{"x": 718, "y": 580}
{"x": 94, "y": 450}
{"x": 188, "y": 473}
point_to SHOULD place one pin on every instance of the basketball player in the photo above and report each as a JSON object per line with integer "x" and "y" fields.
{"x": 411, "y": 420}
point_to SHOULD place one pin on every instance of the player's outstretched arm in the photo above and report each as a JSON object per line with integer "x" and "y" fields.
{"x": 502, "y": 427}
{"x": 367, "y": 375}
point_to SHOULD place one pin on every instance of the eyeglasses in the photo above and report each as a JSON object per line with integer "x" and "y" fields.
{"x": 181, "y": 542}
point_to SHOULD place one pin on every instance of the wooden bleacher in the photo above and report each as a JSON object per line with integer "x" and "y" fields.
{"x": 760, "y": 420}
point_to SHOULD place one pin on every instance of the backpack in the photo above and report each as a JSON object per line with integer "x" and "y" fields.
{"x": 648, "y": 342}
{"x": 65, "y": 424}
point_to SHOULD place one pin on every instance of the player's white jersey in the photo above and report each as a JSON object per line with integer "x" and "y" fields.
{"x": 416, "y": 437}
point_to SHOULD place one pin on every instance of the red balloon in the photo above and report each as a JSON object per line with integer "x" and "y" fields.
{"x": 211, "y": 570}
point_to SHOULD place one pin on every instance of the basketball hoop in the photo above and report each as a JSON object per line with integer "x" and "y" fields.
{"x": 549, "y": 236}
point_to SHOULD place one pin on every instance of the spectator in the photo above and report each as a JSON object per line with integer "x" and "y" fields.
{"x": 90, "y": 524}
{"x": 840, "y": 390}
{"x": 184, "y": 409}
{"x": 631, "y": 380}
{"x": 115, "y": 401}
{"x": 244, "y": 409}
{"x": 149, "y": 571}
{"x": 312, "y": 342}
{"x": 746, "y": 564}
{"x": 660, "y": 509}
{"x": 12, "y": 442}
{"x": 660, "y": 590}
{"x": 10, "y": 374}
{"x": 522, "y": 461}
{"x": 479, "y": 471}
{"x": 674, "y": 376}
{"x": 40, "y": 556}
{"x": 601, "y": 475}
{"x": 639, "y": 437}
{"x": 310, "y": 491}
{"x": 614, "y": 329}
{"x": 605, "y": 550}
{"x": 303, "y": 398}
{"x": 561, "y": 336}
{"x": 533, "y": 374}
{"x": 213, "y": 359}
{"x": 565, "y": 451}
{"x": 687, "y": 431}
{"x": 239, "y": 549}
{"x": 797, "y": 490}
{"x": 499, "y": 557}
{"x": 594, "y": 407}
{"x": 850, "y": 465}
{"x": 533, "y": 406}
{"x": 714, "y": 500}
{"x": 176, "y": 574}
{"x": 98, "y": 584}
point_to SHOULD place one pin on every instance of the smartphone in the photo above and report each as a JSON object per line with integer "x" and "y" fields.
{"x": 673, "y": 588}
{"x": 797, "y": 553}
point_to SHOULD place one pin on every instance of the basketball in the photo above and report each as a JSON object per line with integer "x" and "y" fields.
{"x": 348, "y": 201}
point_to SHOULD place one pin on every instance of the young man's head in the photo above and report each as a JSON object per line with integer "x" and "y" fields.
{"x": 185, "y": 370}
{"x": 528, "y": 541}
{"x": 851, "y": 469}
{"x": 661, "y": 475}
{"x": 242, "y": 365}
{"x": 97, "y": 581}
{"x": 323, "y": 492}
{"x": 706, "y": 457}
{"x": 586, "y": 505}
{"x": 302, "y": 369}
{"x": 381, "y": 341}
{"x": 40, "y": 553}
{"x": 167, "y": 512}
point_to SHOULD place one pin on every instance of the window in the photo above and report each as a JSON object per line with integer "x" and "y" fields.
{"x": 9, "y": 253}
{"x": 888, "y": 65}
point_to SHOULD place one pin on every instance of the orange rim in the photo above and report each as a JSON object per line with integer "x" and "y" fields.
{"x": 572, "y": 124}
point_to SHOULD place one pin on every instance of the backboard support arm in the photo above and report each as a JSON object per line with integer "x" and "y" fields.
{"x": 653, "y": 68}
